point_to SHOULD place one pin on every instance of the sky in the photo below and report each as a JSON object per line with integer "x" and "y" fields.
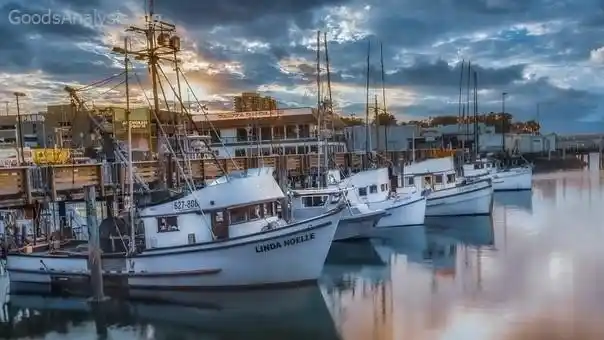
{"x": 547, "y": 55}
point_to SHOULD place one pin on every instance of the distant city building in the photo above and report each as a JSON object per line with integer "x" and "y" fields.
{"x": 250, "y": 101}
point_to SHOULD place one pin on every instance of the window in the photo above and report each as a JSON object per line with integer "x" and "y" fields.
{"x": 301, "y": 150}
{"x": 268, "y": 209}
{"x": 218, "y": 217}
{"x": 476, "y": 166}
{"x": 410, "y": 181}
{"x": 239, "y": 215}
{"x": 166, "y": 224}
{"x": 383, "y": 187}
{"x": 314, "y": 201}
{"x": 239, "y": 152}
{"x": 254, "y": 212}
{"x": 362, "y": 191}
{"x": 373, "y": 189}
{"x": 451, "y": 178}
{"x": 438, "y": 179}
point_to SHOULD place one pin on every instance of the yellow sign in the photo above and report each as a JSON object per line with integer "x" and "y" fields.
{"x": 250, "y": 114}
{"x": 136, "y": 124}
{"x": 51, "y": 156}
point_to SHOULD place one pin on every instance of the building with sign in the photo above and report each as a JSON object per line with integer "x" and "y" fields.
{"x": 270, "y": 132}
{"x": 251, "y": 101}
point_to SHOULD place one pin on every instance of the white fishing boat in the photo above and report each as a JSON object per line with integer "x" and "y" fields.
{"x": 373, "y": 187}
{"x": 357, "y": 218}
{"x": 447, "y": 194}
{"x": 504, "y": 179}
{"x": 231, "y": 233}
{"x": 210, "y": 238}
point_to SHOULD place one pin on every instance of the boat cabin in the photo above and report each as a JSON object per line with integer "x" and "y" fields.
{"x": 481, "y": 167}
{"x": 370, "y": 186}
{"x": 234, "y": 207}
{"x": 433, "y": 174}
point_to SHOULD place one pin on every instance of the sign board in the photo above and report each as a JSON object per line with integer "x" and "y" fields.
{"x": 136, "y": 124}
{"x": 51, "y": 156}
{"x": 32, "y": 118}
{"x": 250, "y": 114}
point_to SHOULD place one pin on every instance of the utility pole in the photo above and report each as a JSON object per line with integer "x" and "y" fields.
{"x": 20, "y": 128}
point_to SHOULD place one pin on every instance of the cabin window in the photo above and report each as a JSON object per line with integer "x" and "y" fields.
{"x": 362, "y": 191}
{"x": 373, "y": 189}
{"x": 254, "y": 212}
{"x": 438, "y": 179}
{"x": 334, "y": 198}
{"x": 314, "y": 201}
{"x": 239, "y": 215}
{"x": 384, "y": 187}
{"x": 290, "y": 150}
{"x": 410, "y": 181}
{"x": 301, "y": 150}
{"x": 476, "y": 166}
{"x": 166, "y": 224}
{"x": 239, "y": 152}
{"x": 451, "y": 178}
{"x": 268, "y": 209}
{"x": 218, "y": 217}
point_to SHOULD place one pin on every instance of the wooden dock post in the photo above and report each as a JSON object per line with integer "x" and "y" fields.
{"x": 94, "y": 251}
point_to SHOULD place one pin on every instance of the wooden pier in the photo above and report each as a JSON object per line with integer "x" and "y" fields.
{"x": 27, "y": 186}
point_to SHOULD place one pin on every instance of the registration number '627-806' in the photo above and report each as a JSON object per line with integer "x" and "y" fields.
{"x": 186, "y": 205}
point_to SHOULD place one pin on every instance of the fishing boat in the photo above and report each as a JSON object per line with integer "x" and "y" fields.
{"x": 504, "y": 179}
{"x": 373, "y": 187}
{"x": 447, "y": 194}
{"x": 357, "y": 218}
{"x": 234, "y": 232}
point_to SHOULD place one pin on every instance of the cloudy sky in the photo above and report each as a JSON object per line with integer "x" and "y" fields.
{"x": 546, "y": 53}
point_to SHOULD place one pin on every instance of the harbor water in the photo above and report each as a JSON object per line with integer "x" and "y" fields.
{"x": 533, "y": 270}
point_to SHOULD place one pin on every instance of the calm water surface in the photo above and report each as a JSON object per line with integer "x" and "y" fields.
{"x": 534, "y": 270}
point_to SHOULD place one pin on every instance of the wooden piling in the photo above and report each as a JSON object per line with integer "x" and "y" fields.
{"x": 94, "y": 251}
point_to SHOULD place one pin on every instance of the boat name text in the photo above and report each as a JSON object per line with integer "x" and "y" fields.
{"x": 186, "y": 205}
{"x": 262, "y": 248}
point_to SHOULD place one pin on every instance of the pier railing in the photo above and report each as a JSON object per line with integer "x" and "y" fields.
{"x": 21, "y": 186}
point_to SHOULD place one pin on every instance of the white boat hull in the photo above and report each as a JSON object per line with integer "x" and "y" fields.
{"x": 513, "y": 180}
{"x": 405, "y": 212}
{"x": 291, "y": 254}
{"x": 357, "y": 226}
{"x": 475, "y": 198}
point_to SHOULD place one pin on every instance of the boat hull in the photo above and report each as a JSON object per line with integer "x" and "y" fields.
{"x": 471, "y": 199}
{"x": 513, "y": 181}
{"x": 292, "y": 254}
{"x": 405, "y": 212}
{"x": 357, "y": 226}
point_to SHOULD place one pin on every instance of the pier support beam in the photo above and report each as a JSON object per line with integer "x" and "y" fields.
{"x": 94, "y": 247}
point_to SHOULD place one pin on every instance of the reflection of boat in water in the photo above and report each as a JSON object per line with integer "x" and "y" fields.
{"x": 350, "y": 260}
{"x": 294, "y": 313}
{"x": 408, "y": 241}
{"x": 520, "y": 199}
{"x": 467, "y": 230}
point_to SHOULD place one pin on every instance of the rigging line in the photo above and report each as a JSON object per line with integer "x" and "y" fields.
{"x": 180, "y": 168}
{"x": 186, "y": 111}
{"x": 205, "y": 113}
{"x": 102, "y": 81}
{"x": 112, "y": 88}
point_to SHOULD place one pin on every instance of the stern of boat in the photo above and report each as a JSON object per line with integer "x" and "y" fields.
{"x": 469, "y": 199}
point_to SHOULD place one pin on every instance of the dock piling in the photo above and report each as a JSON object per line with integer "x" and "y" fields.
{"x": 94, "y": 251}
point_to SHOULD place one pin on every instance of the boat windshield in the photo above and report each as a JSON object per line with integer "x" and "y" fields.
{"x": 243, "y": 174}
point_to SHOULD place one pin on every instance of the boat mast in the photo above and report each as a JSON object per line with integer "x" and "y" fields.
{"x": 367, "y": 130}
{"x": 467, "y": 134}
{"x": 476, "y": 135}
{"x": 129, "y": 131}
{"x": 383, "y": 98}
{"x": 330, "y": 103}
{"x": 460, "y": 111}
{"x": 319, "y": 111}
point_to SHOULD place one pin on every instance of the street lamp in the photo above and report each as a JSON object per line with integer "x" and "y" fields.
{"x": 19, "y": 127}
{"x": 503, "y": 94}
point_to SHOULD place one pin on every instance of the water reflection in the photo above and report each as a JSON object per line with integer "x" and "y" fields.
{"x": 298, "y": 313}
{"x": 538, "y": 258}
{"x": 519, "y": 199}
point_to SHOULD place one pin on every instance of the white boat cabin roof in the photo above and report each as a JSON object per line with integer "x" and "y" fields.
{"x": 317, "y": 191}
{"x": 430, "y": 166}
